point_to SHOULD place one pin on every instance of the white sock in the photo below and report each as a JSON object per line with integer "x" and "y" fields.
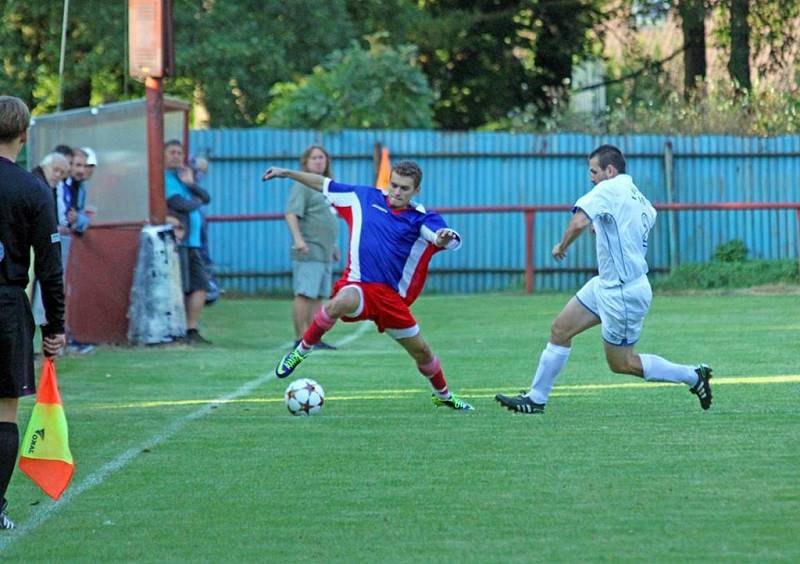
{"x": 303, "y": 349}
{"x": 657, "y": 369}
{"x": 552, "y": 361}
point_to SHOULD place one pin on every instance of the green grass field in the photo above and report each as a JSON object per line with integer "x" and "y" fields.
{"x": 189, "y": 454}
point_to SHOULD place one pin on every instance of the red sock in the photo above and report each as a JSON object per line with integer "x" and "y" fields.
{"x": 321, "y": 323}
{"x": 433, "y": 372}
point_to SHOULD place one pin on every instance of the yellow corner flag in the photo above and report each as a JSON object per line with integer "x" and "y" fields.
{"x": 384, "y": 171}
{"x": 45, "y": 455}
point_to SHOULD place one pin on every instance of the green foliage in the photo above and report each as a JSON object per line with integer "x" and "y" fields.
{"x": 488, "y": 56}
{"x": 490, "y": 63}
{"x": 379, "y": 87}
{"x": 95, "y": 66}
{"x": 233, "y": 51}
{"x": 723, "y": 275}
{"x": 732, "y": 251}
{"x": 228, "y": 52}
{"x": 718, "y": 109}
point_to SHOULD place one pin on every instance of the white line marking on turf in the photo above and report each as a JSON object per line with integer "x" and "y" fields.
{"x": 43, "y": 512}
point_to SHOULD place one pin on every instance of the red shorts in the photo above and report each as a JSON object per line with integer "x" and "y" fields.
{"x": 384, "y": 306}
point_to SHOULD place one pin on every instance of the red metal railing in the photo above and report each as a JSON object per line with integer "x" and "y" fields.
{"x": 529, "y": 214}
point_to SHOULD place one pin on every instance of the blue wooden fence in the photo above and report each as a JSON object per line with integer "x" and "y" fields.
{"x": 488, "y": 168}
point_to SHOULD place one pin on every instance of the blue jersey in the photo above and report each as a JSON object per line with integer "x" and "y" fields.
{"x": 391, "y": 247}
{"x": 174, "y": 186}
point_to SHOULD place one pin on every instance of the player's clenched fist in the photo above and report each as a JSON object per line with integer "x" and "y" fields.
{"x": 273, "y": 172}
{"x": 444, "y": 236}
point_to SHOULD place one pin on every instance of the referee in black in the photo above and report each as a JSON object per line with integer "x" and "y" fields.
{"x": 27, "y": 220}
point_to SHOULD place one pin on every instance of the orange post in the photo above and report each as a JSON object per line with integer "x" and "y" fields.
{"x": 155, "y": 149}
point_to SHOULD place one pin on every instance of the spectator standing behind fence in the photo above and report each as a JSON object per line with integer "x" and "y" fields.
{"x": 72, "y": 197}
{"x": 52, "y": 169}
{"x": 91, "y": 163}
{"x": 200, "y": 167}
{"x": 72, "y": 220}
{"x": 26, "y": 222}
{"x": 184, "y": 200}
{"x": 314, "y": 230}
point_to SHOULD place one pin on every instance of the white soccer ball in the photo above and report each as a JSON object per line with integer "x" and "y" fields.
{"x": 304, "y": 397}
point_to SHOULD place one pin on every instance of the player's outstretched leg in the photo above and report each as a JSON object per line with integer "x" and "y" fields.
{"x": 291, "y": 360}
{"x": 657, "y": 369}
{"x": 572, "y": 320}
{"x": 551, "y": 363}
{"x": 345, "y": 301}
{"x": 429, "y": 366}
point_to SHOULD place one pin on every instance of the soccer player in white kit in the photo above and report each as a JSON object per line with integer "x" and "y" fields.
{"x": 618, "y": 297}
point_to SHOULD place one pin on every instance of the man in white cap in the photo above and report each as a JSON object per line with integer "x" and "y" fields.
{"x": 91, "y": 163}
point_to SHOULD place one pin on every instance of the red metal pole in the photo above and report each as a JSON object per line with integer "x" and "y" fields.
{"x": 530, "y": 217}
{"x": 155, "y": 149}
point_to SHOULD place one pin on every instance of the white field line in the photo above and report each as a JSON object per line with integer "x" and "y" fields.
{"x": 44, "y": 511}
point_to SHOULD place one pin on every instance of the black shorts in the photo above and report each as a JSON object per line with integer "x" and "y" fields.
{"x": 193, "y": 270}
{"x": 16, "y": 344}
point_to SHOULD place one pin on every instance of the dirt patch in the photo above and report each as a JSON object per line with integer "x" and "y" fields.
{"x": 770, "y": 290}
{"x": 763, "y": 290}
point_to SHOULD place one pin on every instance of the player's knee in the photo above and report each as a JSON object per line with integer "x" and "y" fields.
{"x": 332, "y": 309}
{"x": 560, "y": 333}
{"x": 341, "y": 305}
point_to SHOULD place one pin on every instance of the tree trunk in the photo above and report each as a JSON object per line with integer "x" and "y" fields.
{"x": 739, "y": 63}
{"x": 77, "y": 94}
{"x": 693, "y": 16}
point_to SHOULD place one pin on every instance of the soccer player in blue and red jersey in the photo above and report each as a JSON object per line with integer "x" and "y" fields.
{"x": 392, "y": 240}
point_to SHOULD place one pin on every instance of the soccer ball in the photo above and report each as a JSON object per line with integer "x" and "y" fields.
{"x": 304, "y": 397}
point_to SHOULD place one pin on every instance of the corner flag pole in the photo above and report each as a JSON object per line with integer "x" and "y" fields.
{"x": 63, "y": 53}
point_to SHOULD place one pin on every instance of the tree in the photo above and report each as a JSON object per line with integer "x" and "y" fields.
{"x": 486, "y": 57}
{"x": 228, "y": 52}
{"x": 379, "y": 87}
{"x": 30, "y": 37}
{"x": 693, "y": 18}
{"x": 233, "y": 51}
{"x": 739, "y": 62}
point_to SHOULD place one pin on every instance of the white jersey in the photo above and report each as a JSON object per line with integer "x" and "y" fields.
{"x": 622, "y": 218}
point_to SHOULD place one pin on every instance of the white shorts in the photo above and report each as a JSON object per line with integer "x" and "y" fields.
{"x": 621, "y": 309}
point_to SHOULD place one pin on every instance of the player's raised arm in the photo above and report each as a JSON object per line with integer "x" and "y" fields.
{"x": 577, "y": 224}
{"x": 313, "y": 181}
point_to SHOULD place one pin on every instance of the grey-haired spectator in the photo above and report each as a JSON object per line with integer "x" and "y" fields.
{"x": 53, "y": 168}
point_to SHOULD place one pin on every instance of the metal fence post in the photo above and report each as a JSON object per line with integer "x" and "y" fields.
{"x": 530, "y": 218}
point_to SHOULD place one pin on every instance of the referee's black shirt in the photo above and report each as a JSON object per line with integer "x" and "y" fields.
{"x": 27, "y": 219}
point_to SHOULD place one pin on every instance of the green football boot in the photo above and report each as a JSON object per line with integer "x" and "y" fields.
{"x": 289, "y": 362}
{"x": 453, "y": 403}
